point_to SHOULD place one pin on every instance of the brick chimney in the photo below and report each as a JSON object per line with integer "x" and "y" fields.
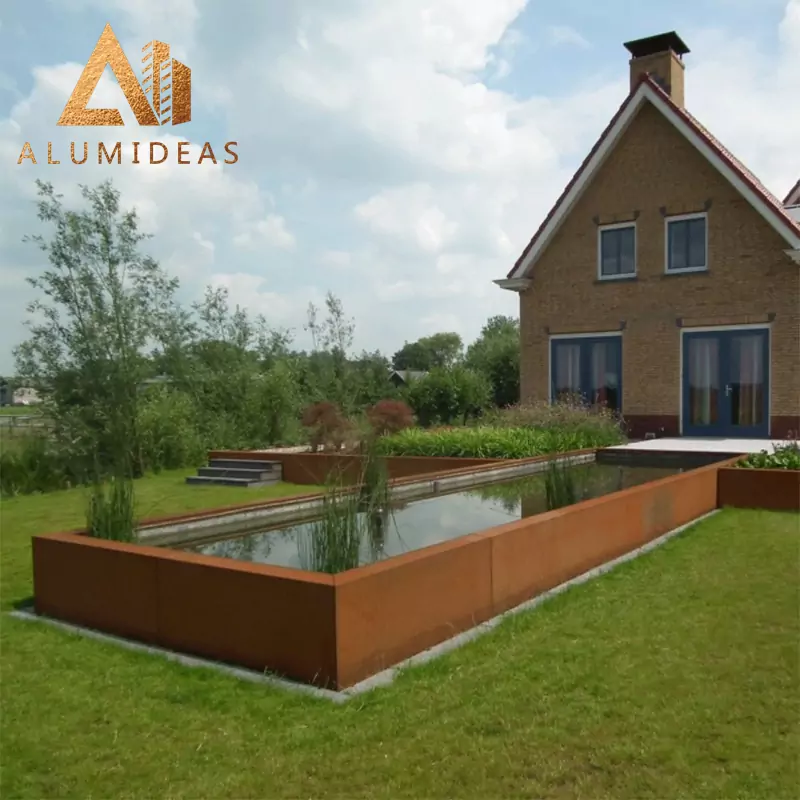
{"x": 661, "y": 57}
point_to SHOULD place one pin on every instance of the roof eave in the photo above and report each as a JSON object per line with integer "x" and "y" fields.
{"x": 646, "y": 89}
{"x": 514, "y": 284}
{"x": 794, "y": 255}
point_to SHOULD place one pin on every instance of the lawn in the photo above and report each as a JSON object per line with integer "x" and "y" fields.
{"x": 676, "y": 675}
{"x": 17, "y": 411}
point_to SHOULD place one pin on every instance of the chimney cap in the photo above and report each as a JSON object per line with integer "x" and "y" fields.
{"x": 639, "y": 48}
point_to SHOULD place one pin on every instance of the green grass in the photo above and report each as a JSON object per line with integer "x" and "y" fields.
{"x": 676, "y": 675}
{"x": 16, "y": 411}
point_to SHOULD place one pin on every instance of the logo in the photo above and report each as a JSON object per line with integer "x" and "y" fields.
{"x": 165, "y": 79}
{"x": 163, "y": 97}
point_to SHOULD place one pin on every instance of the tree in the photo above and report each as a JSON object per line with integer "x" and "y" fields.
{"x": 103, "y": 302}
{"x": 445, "y": 396}
{"x": 495, "y": 354}
{"x": 439, "y": 350}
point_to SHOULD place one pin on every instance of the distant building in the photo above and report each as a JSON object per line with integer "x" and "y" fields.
{"x": 158, "y": 380}
{"x": 25, "y": 396}
{"x": 403, "y": 377}
{"x": 6, "y": 395}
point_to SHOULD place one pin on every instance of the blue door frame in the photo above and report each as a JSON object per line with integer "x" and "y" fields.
{"x": 725, "y": 402}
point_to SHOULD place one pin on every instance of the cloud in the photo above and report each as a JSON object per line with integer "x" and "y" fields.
{"x": 270, "y": 231}
{"x": 566, "y": 35}
{"x": 378, "y": 158}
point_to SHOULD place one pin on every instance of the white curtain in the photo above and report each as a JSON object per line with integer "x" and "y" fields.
{"x": 703, "y": 381}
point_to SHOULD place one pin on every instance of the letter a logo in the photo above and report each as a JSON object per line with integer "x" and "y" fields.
{"x": 165, "y": 74}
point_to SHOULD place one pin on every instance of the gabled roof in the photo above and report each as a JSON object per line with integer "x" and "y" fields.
{"x": 407, "y": 375}
{"x": 793, "y": 198}
{"x": 762, "y": 200}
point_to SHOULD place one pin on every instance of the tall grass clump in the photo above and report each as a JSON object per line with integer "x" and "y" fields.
{"x": 332, "y": 543}
{"x": 111, "y": 510}
{"x": 351, "y": 517}
{"x": 572, "y": 413}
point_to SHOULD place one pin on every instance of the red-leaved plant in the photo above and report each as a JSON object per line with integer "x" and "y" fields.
{"x": 390, "y": 416}
{"x": 325, "y": 425}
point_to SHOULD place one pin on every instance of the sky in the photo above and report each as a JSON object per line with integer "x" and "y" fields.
{"x": 397, "y": 153}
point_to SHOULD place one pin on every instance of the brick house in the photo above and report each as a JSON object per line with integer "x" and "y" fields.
{"x": 665, "y": 281}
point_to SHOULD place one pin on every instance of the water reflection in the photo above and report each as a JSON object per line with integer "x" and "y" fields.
{"x": 410, "y": 526}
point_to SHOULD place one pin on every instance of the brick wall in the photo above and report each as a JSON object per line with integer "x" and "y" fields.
{"x": 749, "y": 276}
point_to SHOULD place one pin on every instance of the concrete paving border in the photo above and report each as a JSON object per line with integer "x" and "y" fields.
{"x": 383, "y": 678}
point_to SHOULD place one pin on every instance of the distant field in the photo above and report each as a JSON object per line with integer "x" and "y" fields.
{"x": 18, "y": 411}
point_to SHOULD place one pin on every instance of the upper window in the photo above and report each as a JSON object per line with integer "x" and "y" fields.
{"x": 687, "y": 243}
{"x": 617, "y": 251}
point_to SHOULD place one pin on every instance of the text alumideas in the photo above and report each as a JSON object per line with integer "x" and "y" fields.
{"x": 147, "y": 153}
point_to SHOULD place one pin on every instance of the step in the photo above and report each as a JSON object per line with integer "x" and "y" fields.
{"x": 205, "y": 480}
{"x": 249, "y": 474}
{"x": 244, "y": 463}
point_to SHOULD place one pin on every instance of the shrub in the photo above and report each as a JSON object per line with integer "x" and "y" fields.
{"x": 168, "y": 430}
{"x": 783, "y": 456}
{"x": 390, "y": 416}
{"x": 325, "y": 425}
{"x": 488, "y": 442}
{"x": 571, "y": 412}
{"x": 35, "y": 463}
{"x": 445, "y": 396}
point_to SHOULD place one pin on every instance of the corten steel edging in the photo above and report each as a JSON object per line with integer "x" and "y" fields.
{"x": 252, "y": 615}
{"x": 389, "y": 611}
{"x": 315, "y": 468}
{"x": 769, "y": 489}
{"x": 334, "y": 631}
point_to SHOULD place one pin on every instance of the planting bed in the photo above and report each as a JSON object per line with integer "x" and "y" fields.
{"x": 769, "y": 489}
{"x": 334, "y": 630}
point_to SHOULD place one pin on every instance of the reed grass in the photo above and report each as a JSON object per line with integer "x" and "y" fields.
{"x": 351, "y": 519}
{"x": 111, "y": 509}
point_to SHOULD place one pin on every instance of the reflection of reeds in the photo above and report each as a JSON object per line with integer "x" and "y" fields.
{"x": 560, "y": 485}
{"x": 333, "y": 542}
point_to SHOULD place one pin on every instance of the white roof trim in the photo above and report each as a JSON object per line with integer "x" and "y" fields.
{"x": 514, "y": 284}
{"x": 646, "y": 92}
{"x": 794, "y": 255}
{"x": 794, "y": 196}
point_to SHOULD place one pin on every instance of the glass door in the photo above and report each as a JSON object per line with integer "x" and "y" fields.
{"x": 726, "y": 383}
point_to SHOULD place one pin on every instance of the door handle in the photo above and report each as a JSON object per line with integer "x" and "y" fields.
{"x": 728, "y": 390}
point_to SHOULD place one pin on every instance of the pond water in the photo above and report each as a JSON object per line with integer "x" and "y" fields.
{"x": 318, "y": 547}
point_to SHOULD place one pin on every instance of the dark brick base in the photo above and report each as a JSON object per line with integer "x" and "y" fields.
{"x": 785, "y": 427}
{"x": 639, "y": 425}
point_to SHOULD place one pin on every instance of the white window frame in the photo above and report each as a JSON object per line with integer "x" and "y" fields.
{"x": 683, "y": 218}
{"x": 612, "y": 227}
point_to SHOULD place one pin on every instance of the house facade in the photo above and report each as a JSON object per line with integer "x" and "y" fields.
{"x": 665, "y": 282}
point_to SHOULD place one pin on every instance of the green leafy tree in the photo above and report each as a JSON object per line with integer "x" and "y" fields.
{"x": 495, "y": 354}
{"x": 439, "y": 350}
{"x": 101, "y": 303}
{"x": 446, "y": 396}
